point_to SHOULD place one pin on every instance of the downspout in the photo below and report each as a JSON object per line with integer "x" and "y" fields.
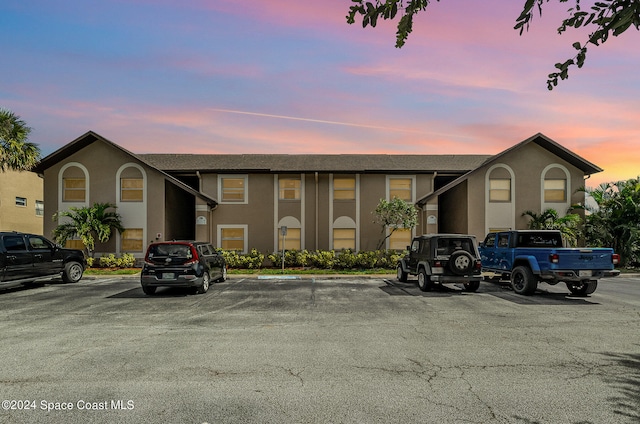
{"x": 316, "y": 209}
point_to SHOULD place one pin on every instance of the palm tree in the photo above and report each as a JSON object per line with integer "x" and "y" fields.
{"x": 16, "y": 153}
{"x": 90, "y": 224}
{"x": 568, "y": 225}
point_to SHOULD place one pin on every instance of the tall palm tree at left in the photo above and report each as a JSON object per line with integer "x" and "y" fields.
{"x": 16, "y": 153}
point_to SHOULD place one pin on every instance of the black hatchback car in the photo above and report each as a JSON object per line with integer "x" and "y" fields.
{"x": 189, "y": 264}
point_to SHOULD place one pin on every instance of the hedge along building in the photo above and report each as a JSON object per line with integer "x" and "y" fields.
{"x": 326, "y": 202}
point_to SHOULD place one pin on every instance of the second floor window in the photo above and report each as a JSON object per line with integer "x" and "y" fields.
{"x": 499, "y": 190}
{"x": 400, "y": 188}
{"x": 131, "y": 189}
{"x": 74, "y": 189}
{"x": 555, "y": 190}
{"x": 21, "y": 201}
{"x": 344, "y": 188}
{"x": 289, "y": 188}
{"x": 233, "y": 189}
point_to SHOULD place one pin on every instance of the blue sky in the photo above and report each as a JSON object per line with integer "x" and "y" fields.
{"x": 284, "y": 76}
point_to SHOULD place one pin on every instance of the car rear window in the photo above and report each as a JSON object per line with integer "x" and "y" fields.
{"x": 173, "y": 250}
{"x": 446, "y": 246}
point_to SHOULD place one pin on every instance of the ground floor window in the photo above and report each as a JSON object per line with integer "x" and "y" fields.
{"x": 344, "y": 238}
{"x": 232, "y": 238}
{"x": 400, "y": 239}
{"x": 131, "y": 240}
{"x": 74, "y": 244}
{"x": 291, "y": 240}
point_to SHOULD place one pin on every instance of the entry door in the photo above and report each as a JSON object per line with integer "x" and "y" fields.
{"x": 19, "y": 259}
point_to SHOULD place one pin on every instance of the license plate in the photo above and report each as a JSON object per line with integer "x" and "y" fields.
{"x": 584, "y": 273}
{"x": 169, "y": 275}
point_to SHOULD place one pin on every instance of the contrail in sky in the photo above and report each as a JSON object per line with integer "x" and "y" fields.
{"x": 319, "y": 121}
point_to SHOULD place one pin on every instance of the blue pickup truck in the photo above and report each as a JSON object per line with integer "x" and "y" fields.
{"x": 527, "y": 257}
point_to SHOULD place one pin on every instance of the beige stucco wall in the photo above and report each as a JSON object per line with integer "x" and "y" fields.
{"x": 27, "y": 185}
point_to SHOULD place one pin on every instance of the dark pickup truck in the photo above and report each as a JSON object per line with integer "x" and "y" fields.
{"x": 26, "y": 258}
{"x": 527, "y": 257}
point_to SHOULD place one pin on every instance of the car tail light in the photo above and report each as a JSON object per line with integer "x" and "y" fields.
{"x": 438, "y": 264}
{"x": 478, "y": 264}
{"x": 554, "y": 258}
{"x": 615, "y": 258}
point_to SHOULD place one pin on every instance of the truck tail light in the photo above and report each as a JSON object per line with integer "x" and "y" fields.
{"x": 437, "y": 264}
{"x": 479, "y": 264}
{"x": 615, "y": 258}
{"x": 554, "y": 258}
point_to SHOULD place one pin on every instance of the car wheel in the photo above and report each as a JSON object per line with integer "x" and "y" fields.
{"x": 401, "y": 275}
{"x": 583, "y": 288}
{"x": 205, "y": 283}
{"x": 72, "y": 272}
{"x": 523, "y": 281}
{"x": 149, "y": 290}
{"x": 461, "y": 262}
{"x": 424, "y": 281}
{"x": 472, "y": 286}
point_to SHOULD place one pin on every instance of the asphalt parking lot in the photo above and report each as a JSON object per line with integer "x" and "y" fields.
{"x": 347, "y": 350}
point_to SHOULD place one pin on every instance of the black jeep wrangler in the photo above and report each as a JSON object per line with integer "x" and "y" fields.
{"x": 442, "y": 258}
{"x": 26, "y": 258}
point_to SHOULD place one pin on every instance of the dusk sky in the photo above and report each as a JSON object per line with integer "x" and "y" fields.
{"x": 287, "y": 76}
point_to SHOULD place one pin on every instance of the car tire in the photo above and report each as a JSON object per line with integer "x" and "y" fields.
{"x": 72, "y": 272}
{"x": 205, "y": 284}
{"x": 224, "y": 274}
{"x": 401, "y": 275}
{"x": 523, "y": 281}
{"x": 148, "y": 290}
{"x": 424, "y": 281}
{"x": 461, "y": 262}
{"x": 472, "y": 286}
{"x": 582, "y": 288}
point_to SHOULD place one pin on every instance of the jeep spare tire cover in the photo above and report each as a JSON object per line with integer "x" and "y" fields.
{"x": 460, "y": 262}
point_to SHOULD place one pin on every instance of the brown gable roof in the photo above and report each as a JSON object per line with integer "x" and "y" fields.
{"x": 361, "y": 163}
{"x": 542, "y": 140}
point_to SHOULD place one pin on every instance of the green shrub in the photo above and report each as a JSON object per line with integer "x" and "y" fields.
{"x": 126, "y": 260}
{"x": 330, "y": 259}
{"x": 251, "y": 260}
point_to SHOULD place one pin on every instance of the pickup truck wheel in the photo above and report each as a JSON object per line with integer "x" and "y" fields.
{"x": 72, "y": 272}
{"x": 401, "y": 275}
{"x": 424, "y": 281}
{"x": 523, "y": 281}
{"x": 472, "y": 286}
{"x": 461, "y": 262}
{"x": 583, "y": 288}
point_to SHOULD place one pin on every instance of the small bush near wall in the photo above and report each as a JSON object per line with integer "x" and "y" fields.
{"x": 344, "y": 259}
{"x": 252, "y": 260}
{"x": 126, "y": 260}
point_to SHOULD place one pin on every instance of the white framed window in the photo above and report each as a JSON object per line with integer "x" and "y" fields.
{"x": 292, "y": 241}
{"x": 131, "y": 189}
{"x": 232, "y": 188}
{"x": 344, "y": 238}
{"x": 400, "y": 239}
{"x": 344, "y": 188}
{"x": 289, "y": 188}
{"x": 21, "y": 201}
{"x": 400, "y": 187}
{"x": 39, "y": 208}
{"x": 555, "y": 190}
{"x": 74, "y": 189}
{"x": 131, "y": 240}
{"x": 500, "y": 190}
{"x": 232, "y": 237}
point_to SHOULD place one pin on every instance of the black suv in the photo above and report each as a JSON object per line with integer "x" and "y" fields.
{"x": 26, "y": 258}
{"x": 442, "y": 258}
{"x": 182, "y": 264}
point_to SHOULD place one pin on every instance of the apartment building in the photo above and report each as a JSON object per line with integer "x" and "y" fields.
{"x": 21, "y": 202}
{"x": 242, "y": 202}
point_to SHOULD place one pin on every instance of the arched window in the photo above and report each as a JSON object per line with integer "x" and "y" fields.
{"x": 74, "y": 180}
{"x": 344, "y": 233}
{"x": 293, "y": 239}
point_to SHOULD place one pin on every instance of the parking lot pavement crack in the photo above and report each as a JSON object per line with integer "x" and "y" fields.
{"x": 295, "y": 374}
